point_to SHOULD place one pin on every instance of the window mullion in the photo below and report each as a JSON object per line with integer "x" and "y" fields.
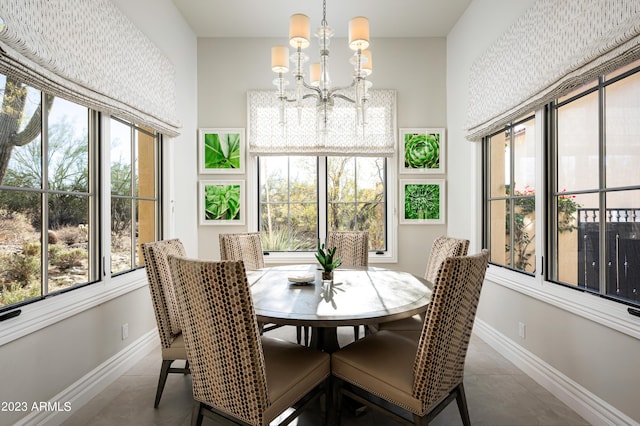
{"x": 542, "y": 195}
{"x": 134, "y": 195}
{"x": 512, "y": 184}
{"x": 602, "y": 195}
{"x": 323, "y": 186}
{"x": 44, "y": 198}
{"x": 94, "y": 203}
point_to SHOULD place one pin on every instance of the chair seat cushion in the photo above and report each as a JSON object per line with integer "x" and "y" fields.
{"x": 177, "y": 350}
{"x": 413, "y": 323}
{"x": 388, "y": 374}
{"x": 292, "y": 371}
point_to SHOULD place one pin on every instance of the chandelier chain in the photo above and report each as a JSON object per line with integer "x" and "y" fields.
{"x": 324, "y": 13}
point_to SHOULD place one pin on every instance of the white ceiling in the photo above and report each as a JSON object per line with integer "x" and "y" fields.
{"x": 270, "y": 18}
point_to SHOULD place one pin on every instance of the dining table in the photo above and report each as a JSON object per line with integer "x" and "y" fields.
{"x": 297, "y": 295}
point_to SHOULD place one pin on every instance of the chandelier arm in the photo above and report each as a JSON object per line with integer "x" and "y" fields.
{"x": 337, "y": 89}
{"x": 346, "y": 98}
{"x": 308, "y": 86}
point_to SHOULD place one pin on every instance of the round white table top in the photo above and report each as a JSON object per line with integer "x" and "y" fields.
{"x": 356, "y": 296}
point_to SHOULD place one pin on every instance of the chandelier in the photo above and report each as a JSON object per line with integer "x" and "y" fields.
{"x": 318, "y": 85}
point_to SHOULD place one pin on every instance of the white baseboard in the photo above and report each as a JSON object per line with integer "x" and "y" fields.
{"x": 588, "y": 405}
{"x": 92, "y": 383}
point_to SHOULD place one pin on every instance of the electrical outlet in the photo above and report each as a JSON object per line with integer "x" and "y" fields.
{"x": 125, "y": 331}
{"x": 521, "y": 330}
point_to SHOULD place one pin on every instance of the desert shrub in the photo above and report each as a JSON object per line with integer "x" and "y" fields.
{"x": 71, "y": 235}
{"x": 15, "y": 293}
{"x": 65, "y": 259}
{"x": 14, "y": 227}
{"x": 21, "y": 268}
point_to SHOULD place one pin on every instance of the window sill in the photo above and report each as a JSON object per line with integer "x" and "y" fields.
{"x": 44, "y": 313}
{"x": 589, "y": 306}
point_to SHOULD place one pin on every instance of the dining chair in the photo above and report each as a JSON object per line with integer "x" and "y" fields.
{"x": 442, "y": 248}
{"x": 353, "y": 248}
{"x": 238, "y": 375}
{"x": 419, "y": 376}
{"x": 165, "y": 307}
{"x": 247, "y": 246}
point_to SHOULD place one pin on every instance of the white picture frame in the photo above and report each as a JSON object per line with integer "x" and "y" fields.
{"x": 422, "y": 150}
{"x": 221, "y": 202}
{"x": 221, "y": 150}
{"x": 422, "y": 201}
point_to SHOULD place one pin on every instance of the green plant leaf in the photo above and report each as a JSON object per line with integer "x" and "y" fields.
{"x": 422, "y": 151}
{"x": 222, "y": 202}
{"x": 222, "y": 151}
{"x": 422, "y": 201}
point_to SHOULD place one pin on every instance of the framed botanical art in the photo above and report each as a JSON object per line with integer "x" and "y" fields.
{"x": 422, "y": 150}
{"x": 221, "y": 202}
{"x": 221, "y": 150}
{"x": 422, "y": 201}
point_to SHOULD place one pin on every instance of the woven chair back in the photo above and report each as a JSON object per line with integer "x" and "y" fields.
{"x": 221, "y": 336}
{"x": 442, "y": 248}
{"x": 245, "y": 246}
{"x": 352, "y": 246}
{"x": 163, "y": 297}
{"x": 439, "y": 364}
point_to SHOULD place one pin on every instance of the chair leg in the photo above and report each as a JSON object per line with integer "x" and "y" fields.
{"x": 461, "y": 399}
{"x": 306, "y": 336}
{"x": 164, "y": 372}
{"x": 417, "y": 420}
{"x": 186, "y": 368}
{"x": 336, "y": 400}
{"x": 356, "y": 332}
{"x": 196, "y": 414}
{"x": 299, "y": 334}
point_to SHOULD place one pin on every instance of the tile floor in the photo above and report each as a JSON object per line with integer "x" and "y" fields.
{"x": 498, "y": 393}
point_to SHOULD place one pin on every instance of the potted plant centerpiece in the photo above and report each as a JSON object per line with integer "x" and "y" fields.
{"x": 328, "y": 260}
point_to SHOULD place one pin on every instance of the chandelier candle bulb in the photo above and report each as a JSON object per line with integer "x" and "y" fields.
{"x": 299, "y": 31}
{"x": 359, "y": 33}
{"x": 280, "y": 59}
{"x": 314, "y": 74}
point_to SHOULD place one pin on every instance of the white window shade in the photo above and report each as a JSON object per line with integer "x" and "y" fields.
{"x": 88, "y": 52}
{"x": 554, "y": 47}
{"x": 298, "y": 136}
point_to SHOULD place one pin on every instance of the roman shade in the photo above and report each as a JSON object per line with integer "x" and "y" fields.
{"x": 298, "y": 135}
{"x": 89, "y": 52}
{"x": 554, "y": 47}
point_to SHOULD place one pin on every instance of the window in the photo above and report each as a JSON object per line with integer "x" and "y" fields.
{"x": 134, "y": 198}
{"x": 595, "y": 187}
{"x": 510, "y": 219}
{"x": 590, "y": 204}
{"x": 50, "y": 209}
{"x": 46, "y": 196}
{"x": 288, "y": 203}
{"x": 303, "y": 197}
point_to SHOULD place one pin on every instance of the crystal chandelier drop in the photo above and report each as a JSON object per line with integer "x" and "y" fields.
{"x": 319, "y": 84}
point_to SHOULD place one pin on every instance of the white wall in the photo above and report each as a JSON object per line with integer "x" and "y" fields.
{"x": 594, "y": 359}
{"x": 415, "y": 68}
{"x": 42, "y": 364}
